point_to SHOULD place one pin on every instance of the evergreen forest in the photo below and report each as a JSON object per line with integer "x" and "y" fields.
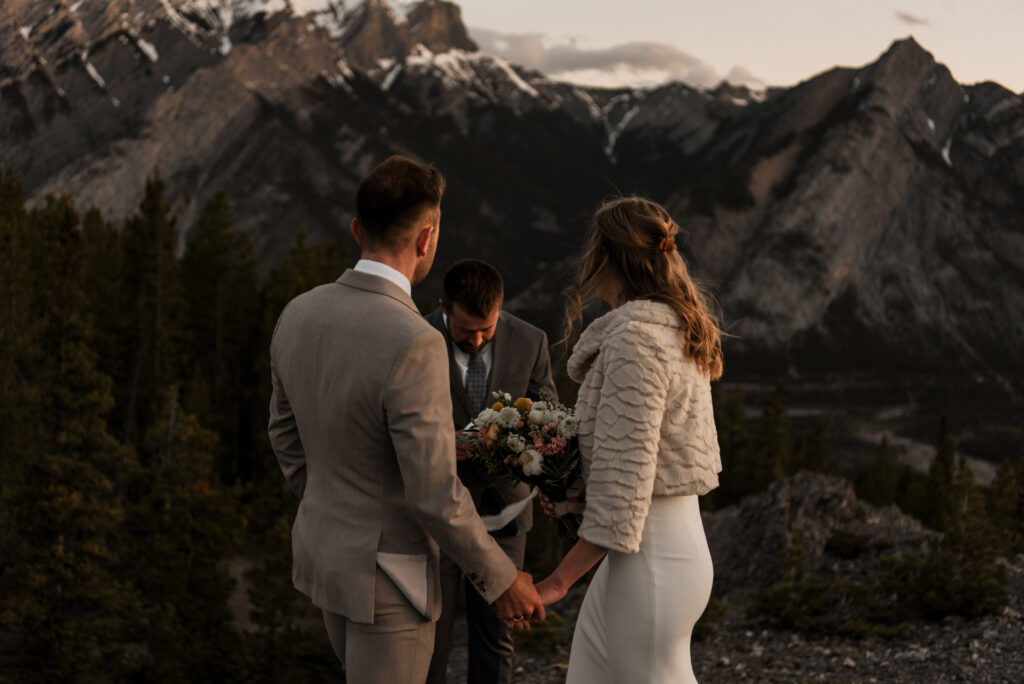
{"x": 144, "y": 523}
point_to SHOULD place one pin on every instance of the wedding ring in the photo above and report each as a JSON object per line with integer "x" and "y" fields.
{"x": 518, "y": 618}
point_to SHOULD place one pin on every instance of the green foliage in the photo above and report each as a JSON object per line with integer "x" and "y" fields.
{"x": 936, "y": 503}
{"x": 67, "y": 612}
{"x": 812, "y": 451}
{"x": 544, "y": 636}
{"x": 880, "y": 482}
{"x": 773, "y": 447}
{"x": 1005, "y": 505}
{"x": 151, "y": 292}
{"x": 130, "y": 390}
{"x": 962, "y": 574}
{"x": 739, "y": 475}
{"x": 706, "y": 626}
{"x": 221, "y": 326}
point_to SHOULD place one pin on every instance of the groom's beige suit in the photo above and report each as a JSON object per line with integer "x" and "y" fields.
{"x": 361, "y": 423}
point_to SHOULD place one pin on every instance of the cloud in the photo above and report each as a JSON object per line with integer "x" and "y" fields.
{"x": 637, "y": 62}
{"x": 912, "y": 20}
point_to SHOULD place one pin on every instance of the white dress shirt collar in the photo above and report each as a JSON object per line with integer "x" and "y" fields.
{"x": 384, "y": 271}
{"x": 461, "y": 358}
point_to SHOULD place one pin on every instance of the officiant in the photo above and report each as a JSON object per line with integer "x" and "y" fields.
{"x": 488, "y": 350}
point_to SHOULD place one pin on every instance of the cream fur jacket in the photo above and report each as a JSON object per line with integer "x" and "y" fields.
{"x": 647, "y": 427}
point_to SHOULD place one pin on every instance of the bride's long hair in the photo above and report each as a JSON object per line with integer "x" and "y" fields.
{"x": 632, "y": 239}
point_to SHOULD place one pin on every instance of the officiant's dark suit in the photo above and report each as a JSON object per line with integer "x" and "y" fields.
{"x": 520, "y": 365}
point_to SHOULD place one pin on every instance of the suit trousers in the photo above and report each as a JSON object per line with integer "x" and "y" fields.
{"x": 395, "y": 649}
{"x": 490, "y": 638}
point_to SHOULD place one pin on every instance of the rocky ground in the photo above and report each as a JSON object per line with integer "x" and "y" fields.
{"x": 741, "y": 649}
{"x": 737, "y": 647}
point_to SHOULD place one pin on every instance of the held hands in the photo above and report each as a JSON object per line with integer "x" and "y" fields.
{"x": 520, "y": 604}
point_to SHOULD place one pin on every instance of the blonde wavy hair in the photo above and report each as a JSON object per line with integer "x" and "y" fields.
{"x": 632, "y": 239}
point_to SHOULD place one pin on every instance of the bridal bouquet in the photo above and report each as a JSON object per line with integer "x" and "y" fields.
{"x": 531, "y": 442}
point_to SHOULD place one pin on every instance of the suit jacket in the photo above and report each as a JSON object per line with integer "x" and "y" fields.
{"x": 360, "y": 421}
{"x": 522, "y": 367}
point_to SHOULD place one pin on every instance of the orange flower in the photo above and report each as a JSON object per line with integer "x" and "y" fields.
{"x": 524, "y": 404}
{"x": 497, "y": 406}
{"x": 489, "y": 434}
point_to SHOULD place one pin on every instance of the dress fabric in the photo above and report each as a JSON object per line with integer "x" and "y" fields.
{"x": 640, "y": 609}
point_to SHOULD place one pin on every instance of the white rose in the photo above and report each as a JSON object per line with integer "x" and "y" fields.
{"x": 486, "y": 417}
{"x": 515, "y": 443}
{"x": 531, "y": 462}
{"x": 569, "y": 427}
{"x": 508, "y": 417}
{"x": 504, "y": 397}
{"x": 537, "y": 417}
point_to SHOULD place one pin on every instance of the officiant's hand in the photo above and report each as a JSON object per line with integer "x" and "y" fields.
{"x": 574, "y": 504}
{"x": 520, "y": 604}
{"x": 550, "y": 590}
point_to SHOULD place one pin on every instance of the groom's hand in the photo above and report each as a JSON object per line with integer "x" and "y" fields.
{"x": 520, "y": 604}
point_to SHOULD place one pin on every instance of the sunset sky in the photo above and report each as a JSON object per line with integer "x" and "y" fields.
{"x": 777, "y": 42}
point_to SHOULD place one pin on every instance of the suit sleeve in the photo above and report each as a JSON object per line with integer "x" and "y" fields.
{"x": 419, "y": 415}
{"x": 540, "y": 376}
{"x": 284, "y": 437}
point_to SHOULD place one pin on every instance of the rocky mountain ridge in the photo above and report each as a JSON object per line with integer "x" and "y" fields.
{"x": 867, "y": 218}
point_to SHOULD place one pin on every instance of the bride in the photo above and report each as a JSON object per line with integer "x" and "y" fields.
{"x": 647, "y": 435}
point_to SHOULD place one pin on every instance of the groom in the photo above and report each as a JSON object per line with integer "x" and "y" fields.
{"x": 360, "y": 422}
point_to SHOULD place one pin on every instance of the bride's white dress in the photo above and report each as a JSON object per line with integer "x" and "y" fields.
{"x": 648, "y": 448}
{"x": 639, "y": 612}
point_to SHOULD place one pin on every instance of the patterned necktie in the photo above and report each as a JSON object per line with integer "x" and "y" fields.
{"x": 476, "y": 383}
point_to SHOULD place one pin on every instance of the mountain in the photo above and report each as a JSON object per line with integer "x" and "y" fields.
{"x": 866, "y": 219}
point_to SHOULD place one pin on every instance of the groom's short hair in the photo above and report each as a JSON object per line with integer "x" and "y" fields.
{"x": 474, "y": 285}
{"x": 393, "y": 197}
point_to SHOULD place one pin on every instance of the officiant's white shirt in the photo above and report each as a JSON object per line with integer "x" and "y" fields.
{"x": 462, "y": 358}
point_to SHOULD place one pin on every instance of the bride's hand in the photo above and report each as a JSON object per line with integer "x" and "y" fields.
{"x": 550, "y": 590}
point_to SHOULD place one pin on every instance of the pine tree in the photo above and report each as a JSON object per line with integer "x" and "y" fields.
{"x": 880, "y": 481}
{"x": 69, "y": 615}
{"x": 222, "y": 316}
{"x": 152, "y": 292}
{"x": 740, "y": 472}
{"x": 812, "y": 451}
{"x": 773, "y": 448}
{"x": 107, "y": 300}
{"x": 962, "y": 575}
{"x": 183, "y": 527}
{"x": 1006, "y": 506}
{"x": 937, "y": 507}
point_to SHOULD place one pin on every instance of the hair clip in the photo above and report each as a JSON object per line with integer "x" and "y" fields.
{"x": 666, "y": 246}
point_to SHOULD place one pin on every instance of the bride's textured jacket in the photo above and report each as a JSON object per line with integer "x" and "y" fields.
{"x": 647, "y": 426}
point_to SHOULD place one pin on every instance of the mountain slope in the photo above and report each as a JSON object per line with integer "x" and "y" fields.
{"x": 864, "y": 219}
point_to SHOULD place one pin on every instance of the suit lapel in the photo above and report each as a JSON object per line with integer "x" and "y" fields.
{"x": 458, "y": 390}
{"x": 498, "y": 364}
